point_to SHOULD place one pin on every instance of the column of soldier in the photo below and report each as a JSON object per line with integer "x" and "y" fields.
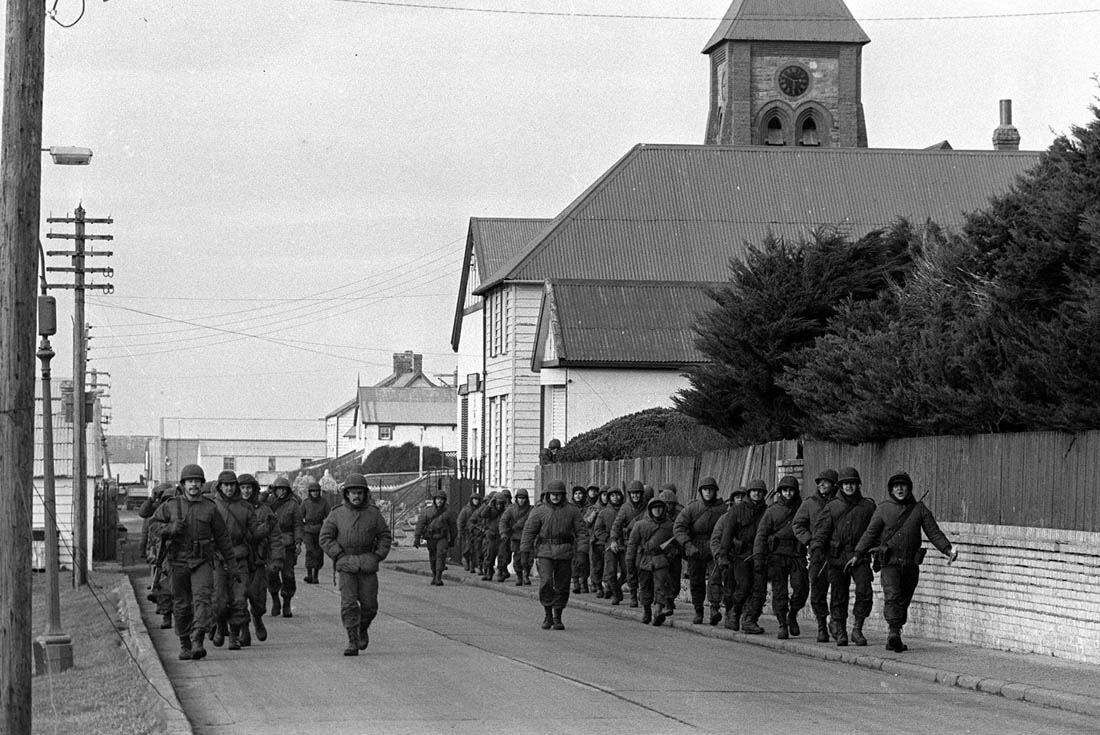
{"x": 219, "y": 550}
{"x": 812, "y": 550}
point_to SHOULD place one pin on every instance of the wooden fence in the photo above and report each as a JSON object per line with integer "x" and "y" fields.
{"x": 1038, "y": 480}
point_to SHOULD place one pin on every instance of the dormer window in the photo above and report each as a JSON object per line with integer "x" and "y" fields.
{"x": 809, "y": 133}
{"x": 774, "y": 132}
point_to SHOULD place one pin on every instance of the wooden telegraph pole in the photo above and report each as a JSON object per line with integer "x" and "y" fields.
{"x": 20, "y": 202}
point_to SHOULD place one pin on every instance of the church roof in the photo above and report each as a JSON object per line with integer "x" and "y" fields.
{"x": 619, "y": 324}
{"x": 823, "y": 21}
{"x": 680, "y": 212}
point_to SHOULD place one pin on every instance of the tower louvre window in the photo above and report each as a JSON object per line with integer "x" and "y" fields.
{"x": 809, "y": 133}
{"x": 774, "y": 134}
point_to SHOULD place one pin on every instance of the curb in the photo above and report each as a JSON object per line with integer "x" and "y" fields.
{"x": 175, "y": 721}
{"x": 858, "y": 657}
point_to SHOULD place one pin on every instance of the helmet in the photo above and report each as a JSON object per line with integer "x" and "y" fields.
{"x": 313, "y": 485}
{"x": 900, "y": 477}
{"x": 614, "y": 491}
{"x": 522, "y": 493}
{"x": 578, "y": 492}
{"x": 504, "y": 496}
{"x": 756, "y": 485}
{"x": 636, "y": 486}
{"x": 670, "y": 486}
{"x": 355, "y": 480}
{"x": 668, "y": 495}
{"x": 708, "y": 481}
{"x": 246, "y": 479}
{"x": 555, "y": 486}
{"x": 555, "y": 444}
{"x": 788, "y": 481}
{"x": 827, "y": 475}
{"x": 849, "y": 474}
{"x": 738, "y": 491}
{"x": 227, "y": 476}
{"x": 280, "y": 482}
{"x": 192, "y": 472}
{"x": 440, "y": 494}
{"x": 655, "y": 503}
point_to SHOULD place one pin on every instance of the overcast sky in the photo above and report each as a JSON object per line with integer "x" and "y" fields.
{"x": 291, "y": 180}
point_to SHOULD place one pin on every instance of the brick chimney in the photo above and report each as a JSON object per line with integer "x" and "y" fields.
{"x": 407, "y": 362}
{"x": 1006, "y": 137}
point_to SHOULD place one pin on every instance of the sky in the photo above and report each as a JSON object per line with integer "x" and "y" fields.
{"x": 291, "y": 181}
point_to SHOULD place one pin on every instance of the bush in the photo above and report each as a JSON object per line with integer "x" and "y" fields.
{"x": 405, "y": 458}
{"x": 655, "y": 432}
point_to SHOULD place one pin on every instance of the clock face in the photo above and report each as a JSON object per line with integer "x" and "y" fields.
{"x": 794, "y": 80}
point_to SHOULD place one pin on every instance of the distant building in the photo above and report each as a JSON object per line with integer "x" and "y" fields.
{"x": 128, "y": 458}
{"x": 242, "y": 445}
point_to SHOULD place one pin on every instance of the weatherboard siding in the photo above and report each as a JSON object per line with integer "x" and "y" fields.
{"x": 595, "y": 396}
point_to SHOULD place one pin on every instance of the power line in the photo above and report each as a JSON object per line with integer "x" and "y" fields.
{"x": 708, "y": 18}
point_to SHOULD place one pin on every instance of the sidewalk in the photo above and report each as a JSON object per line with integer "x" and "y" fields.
{"x": 1041, "y": 680}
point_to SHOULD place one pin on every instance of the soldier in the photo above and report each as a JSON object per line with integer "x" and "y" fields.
{"x": 439, "y": 527}
{"x": 357, "y": 538}
{"x": 723, "y": 565}
{"x": 837, "y": 531}
{"x": 737, "y": 544}
{"x": 595, "y": 550}
{"x": 477, "y": 524}
{"x": 650, "y": 549}
{"x": 580, "y": 564}
{"x": 555, "y": 533}
{"x": 693, "y": 528}
{"x": 154, "y": 550}
{"x": 280, "y": 572}
{"x": 265, "y": 546}
{"x": 670, "y": 494}
{"x": 465, "y": 533}
{"x": 315, "y": 508}
{"x": 490, "y": 525}
{"x": 511, "y": 533}
{"x": 778, "y": 551}
{"x": 620, "y": 532}
{"x": 611, "y": 585}
{"x": 805, "y": 520}
{"x": 895, "y": 535}
{"x": 231, "y": 575}
{"x": 193, "y": 530}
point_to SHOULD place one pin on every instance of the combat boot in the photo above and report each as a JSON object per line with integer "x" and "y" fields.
{"x": 647, "y": 614}
{"x": 261, "y": 631}
{"x": 576, "y": 585}
{"x": 698, "y": 619}
{"x": 750, "y": 626}
{"x": 715, "y": 615}
{"x": 352, "y": 649}
{"x": 527, "y": 577}
{"x": 286, "y": 608}
{"x": 219, "y": 634}
{"x": 276, "y": 608}
{"x": 197, "y": 650}
{"x": 166, "y": 621}
{"x": 557, "y": 619}
{"x": 584, "y": 586}
{"x": 822, "y": 629}
{"x": 616, "y": 595}
{"x": 857, "y": 632}
{"x": 733, "y": 619}
{"x": 185, "y": 648}
{"x": 548, "y": 620}
{"x": 792, "y": 623}
{"x": 246, "y": 636}
{"x": 599, "y": 590}
{"x": 659, "y": 616}
{"x": 840, "y": 628}
{"x": 234, "y": 638}
{"x": 634, "y": 598}
{"x": 893, "y": 640}
{"x": 364, "y": 636}
{"x": 783, "y": 633}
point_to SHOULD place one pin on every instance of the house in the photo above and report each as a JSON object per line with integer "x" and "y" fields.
{"x": 591, "y": 317}
{"x": 127, "y": 457}
{"x": 252, "y": 445}
{"x": 407, "y": 406}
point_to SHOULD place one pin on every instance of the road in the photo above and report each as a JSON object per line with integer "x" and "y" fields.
{"x": 461, "y": 659}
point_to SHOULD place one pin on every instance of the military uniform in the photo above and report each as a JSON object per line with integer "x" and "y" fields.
{"x": 438, "y": 527}
{"x": 356, "y": 538}
{"x": 554, "y": 533}
{"x": 489, "y": 518}
{"x": 613, "y": 578}
{"x": 651, "y": 547}
{"x": 511, "y": 533}
{"x": 737, "y": 545}
{"x": 231, "y": 576}
{"x": 778, "y": 550}
{"x": 465, "y": 533}
{"x": 160, "y": 589}
{"x": 315, "y": 508}
{"x": 581, "y": 566}
{"x": 280, "y": 571}
{"x": 803, "y": 524}
{"x": 620, "y": 532}
{"x": 693, "y": 528}
{"x": 723, "y": 565}
{"x": 263, "y": 548}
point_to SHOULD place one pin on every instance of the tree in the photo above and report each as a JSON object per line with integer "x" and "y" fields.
{"x": 405, "y": 458}
{"x": 649, "y": 433}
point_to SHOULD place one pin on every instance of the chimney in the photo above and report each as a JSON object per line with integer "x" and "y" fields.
{"x": 1006, "y": 137}
{"x": 407, "y": 362}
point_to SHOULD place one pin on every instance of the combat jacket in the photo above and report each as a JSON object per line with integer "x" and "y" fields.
{"x": 356, "y": 539}
{"x": 643, "y": 548}
{"x": 512, "y": 521}
{"x": 605, "y": 519}
{"x": 193, "y": 530}
{"x": 624, "y": 519}
{"x": 840, "y": 527}
{"x": 775, "y": 534}
{"x": 806, "y": 516}
{"x": 740, "y": 532}
{"x": 241, "y": 523}
{"x": 696, "y": 521}
{"x": 554, "y": 532}
{"x": 314, "y": 512}
{"x": 904, "y": 545}
{"x": 435, "y": 524}
{"x": 288, "y": 518}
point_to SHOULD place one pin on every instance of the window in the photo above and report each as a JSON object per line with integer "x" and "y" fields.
{"x": 229, "y": 463}
{"x": 775, "y": 132}
{"x": 498, "y": 303}
{"x": 809, "y": 133}
{"x": 385, "y": 432}
{"x": 270, "y": 464}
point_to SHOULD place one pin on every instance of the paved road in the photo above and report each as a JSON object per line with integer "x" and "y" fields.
{"x": 460, "y": 659}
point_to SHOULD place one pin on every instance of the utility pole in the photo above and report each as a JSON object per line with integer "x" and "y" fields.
{"x": 20, "y": 203}
{"x": 80, "y": 362}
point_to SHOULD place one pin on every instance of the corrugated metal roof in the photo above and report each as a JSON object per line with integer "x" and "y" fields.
{"x": 626, "y": 322}
{"x": 679, "y": 213}
{"x": 822, "y": 21}
{"x": 421, "y": 406}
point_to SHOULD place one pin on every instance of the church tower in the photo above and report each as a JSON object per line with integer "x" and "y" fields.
{"x": 786, "y": 73}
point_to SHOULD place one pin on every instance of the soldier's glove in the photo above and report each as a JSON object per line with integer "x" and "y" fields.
{"x": 853, "y": 561}
{"x": 723, "y": 561}
{"x": 416, "y": 544}
{"x": 953, "y": 555}
{"x": 614, "y": 547}
{"x": 690, "y": 551}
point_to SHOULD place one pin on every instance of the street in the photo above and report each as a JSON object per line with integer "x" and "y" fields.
{"x": 468, "y": 660}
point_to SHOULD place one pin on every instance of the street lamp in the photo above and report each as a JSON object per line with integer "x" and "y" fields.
{"x": 69, "y": 155}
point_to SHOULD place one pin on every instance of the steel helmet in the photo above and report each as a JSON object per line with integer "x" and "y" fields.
{"x": 356, "y": 480}
{"x": 192, "y": 472}
{"x": 849, "y": 474}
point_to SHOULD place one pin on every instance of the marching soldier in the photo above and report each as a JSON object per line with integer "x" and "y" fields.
{"x": 693, "y": 528}
{"x": 231, "y": 575}
{"x": 477, "y": 524}
{"x": 356, "y": 538}
{"x": 193, "y": 530}
{"x": 554, "y": 532}
{"x": 465, "y": 532}
{"x": 620, "y": 532}
{"x": 595, "y": 549}
{"x": 490, "y": 528}
{"x": 264, "y": 546}
{"x": 805, "y": 520}
{"x": 613, "y": 558}
{"x": 315, "y": 508}
{"x": 895, "y": 535}
{"x": 837, "y": 531}
{"x": 779, "y": 551}
{"x": 438, "y": 526}
{"x": 154, "y": 550}
{"x": 737, "y": 545}
{"x": 280, "y": 573}
{"x": 580, "y": 564}
{"x": 511, "y": 533}
{"x": 723, "y": 565}
{"x": 650, "y": 546}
